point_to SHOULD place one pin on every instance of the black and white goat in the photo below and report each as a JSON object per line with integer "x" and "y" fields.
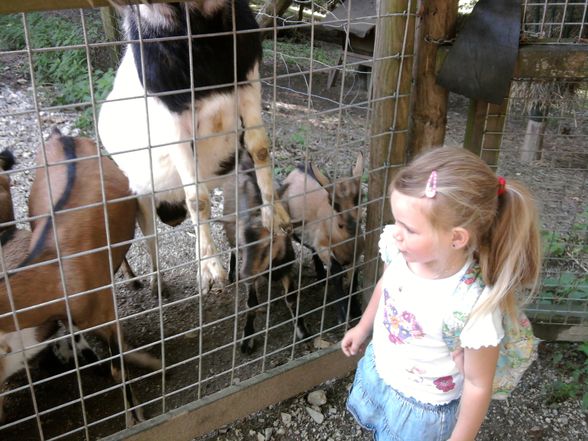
{"x": 186, "y": 102}
{"x": 261, "y": 254}
{"x": 330, "y": 214}
{"x": 34, "y": 295}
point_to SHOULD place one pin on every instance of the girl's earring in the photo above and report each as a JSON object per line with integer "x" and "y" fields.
{"x": 452, "y": 245}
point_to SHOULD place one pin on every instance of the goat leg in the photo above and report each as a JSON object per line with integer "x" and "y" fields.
{"x": 129, "y": 274}
{"x": 291, "y": 299}
{"x": 146, "y": 221}
{"x": 232, "y": 268}
{"x": 135, "y": 413}
{"x": 319, "y": 267}
{"x": 341, "y": 303}
{"x": 275, "y": 219}
{"x": 248, "y": 343}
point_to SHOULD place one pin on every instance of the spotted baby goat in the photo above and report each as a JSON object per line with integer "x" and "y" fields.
{"x": 74, "y": 174}
{"x": 330, "y": 214}
{"x": 182, "y": 101}
{"x": 261, "y": 255}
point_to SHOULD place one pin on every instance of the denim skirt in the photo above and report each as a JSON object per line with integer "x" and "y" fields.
{"x": 392, "y": 416}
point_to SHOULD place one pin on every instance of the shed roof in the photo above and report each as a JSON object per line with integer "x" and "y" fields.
{"x": 362, "y": 17}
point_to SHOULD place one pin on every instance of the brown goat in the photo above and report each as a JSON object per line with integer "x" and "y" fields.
{"x": 330, "y": 214}
{"x": 73, "y": 175}
{"x": 261, "y": 255}
{"x": 18, "y": 347}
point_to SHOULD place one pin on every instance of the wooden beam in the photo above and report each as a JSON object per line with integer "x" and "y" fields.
{"x": 547, "y": 62}
{"x": 552, "y": 62}
{"x": 554, "y": 332}
{"x": 14, "y": 6}
{"x": 271, "y": 9}
{"x": 392, "y": 81}
{"x": 203, "y": 416}
{"x": 435, "y": 23}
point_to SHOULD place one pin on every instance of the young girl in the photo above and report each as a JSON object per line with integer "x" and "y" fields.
{"x": 456, "y": 224}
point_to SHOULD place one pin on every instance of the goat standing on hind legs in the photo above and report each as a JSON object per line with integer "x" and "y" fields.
{"x": 330, "y": 211}
{"x": 171, "y": 121}
{"x": 262, "y": 253}
{"x": 79, "y": 237}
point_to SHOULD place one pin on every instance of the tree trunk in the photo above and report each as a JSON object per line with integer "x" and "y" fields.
{"x": 435, "y": 24}
{"x": 533, "y": 143}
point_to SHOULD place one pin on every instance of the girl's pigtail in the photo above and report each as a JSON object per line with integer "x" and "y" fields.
{"x": 510, "y": 254}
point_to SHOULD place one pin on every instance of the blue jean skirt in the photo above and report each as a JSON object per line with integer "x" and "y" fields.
{"x": 392, "y": 416}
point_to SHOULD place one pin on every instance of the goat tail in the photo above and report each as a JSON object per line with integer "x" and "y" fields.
{"x": 68, "y": 145}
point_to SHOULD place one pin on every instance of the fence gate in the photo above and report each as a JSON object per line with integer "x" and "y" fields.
{"x": 346, "y": 86}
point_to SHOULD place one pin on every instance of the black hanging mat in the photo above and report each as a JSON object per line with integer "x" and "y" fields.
{"x": 481, "y": 62}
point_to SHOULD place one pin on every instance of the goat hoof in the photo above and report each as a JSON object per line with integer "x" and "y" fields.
{"x": 155, "y": 289}
{"x": 248, "y": 346}
{"x": 137, "y": 285}
{"x": 212, "y": 272}
{"x": 134, "y": 416}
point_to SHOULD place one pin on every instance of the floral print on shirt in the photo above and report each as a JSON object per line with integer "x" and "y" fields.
{"x": 445, "y": 384}
{"x": 400, "y": 325}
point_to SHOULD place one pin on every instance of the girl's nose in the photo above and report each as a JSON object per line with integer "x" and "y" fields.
{"x": 396, "y": 233}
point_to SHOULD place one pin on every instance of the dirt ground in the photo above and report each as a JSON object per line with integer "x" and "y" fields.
{"x": 200, "y": 332}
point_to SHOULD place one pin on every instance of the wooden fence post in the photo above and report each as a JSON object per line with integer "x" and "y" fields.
{"x": 393, "y": 60}
{"x": 435, "y": 25}
{"x": 484, "y": 130}
{"x": 111, "y": 31}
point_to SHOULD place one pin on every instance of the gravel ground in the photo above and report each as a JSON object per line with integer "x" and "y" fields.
{"x": 533, "y": 412}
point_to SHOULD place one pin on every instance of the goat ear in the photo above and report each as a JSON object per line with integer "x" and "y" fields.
{"x": 296, "y": 223}
{"x": 324, "y": 181}
{"x": 281, "y": 190}
{"x": 55, "y": 133}
{"x": 357, "y": 171}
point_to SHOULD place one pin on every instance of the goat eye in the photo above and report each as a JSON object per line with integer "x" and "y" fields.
{"x": 341, "y": 226}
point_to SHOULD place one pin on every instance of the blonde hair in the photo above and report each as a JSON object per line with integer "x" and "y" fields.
{"x": 504, "y": 230}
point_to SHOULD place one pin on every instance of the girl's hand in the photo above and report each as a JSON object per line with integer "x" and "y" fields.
{"x": 353, "y": 341}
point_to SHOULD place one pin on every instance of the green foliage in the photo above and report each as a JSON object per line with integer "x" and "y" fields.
{"x": 299, "y": 137}
{"x": 299, "y": 54}
{"x": 61, "y": 73}
{"x": 575, "y": 371}
{"x": 570, "y": 247}
{"x": 102, "y": 85}
{"x": 282, "y": 172}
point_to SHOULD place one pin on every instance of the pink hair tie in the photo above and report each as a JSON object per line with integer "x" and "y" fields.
{"x": 501, "y": 186}
{"x": 431, "y": 188}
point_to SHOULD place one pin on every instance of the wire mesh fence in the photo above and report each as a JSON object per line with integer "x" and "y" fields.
{"x": 315, "y": 83}
{"x": 554, "y": 21}
{"x": 57, "y": 73}
{"x": 546, "y": 125}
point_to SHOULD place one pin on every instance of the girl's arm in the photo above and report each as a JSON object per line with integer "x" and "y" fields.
{"x": 479, "y": 367}
{"x": 355, "y": 337}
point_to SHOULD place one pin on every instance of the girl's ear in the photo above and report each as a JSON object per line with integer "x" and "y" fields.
{"x": 460, "y": 238}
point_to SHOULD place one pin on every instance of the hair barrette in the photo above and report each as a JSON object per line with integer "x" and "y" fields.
{"x": 431, "y": 188}
{"x": 501, "y": 186}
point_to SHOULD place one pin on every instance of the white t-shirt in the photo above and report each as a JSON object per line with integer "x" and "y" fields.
{"x": 410, "y": 353}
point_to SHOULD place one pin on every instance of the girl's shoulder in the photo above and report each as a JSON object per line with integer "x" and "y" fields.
{"x": 387, "y": 245}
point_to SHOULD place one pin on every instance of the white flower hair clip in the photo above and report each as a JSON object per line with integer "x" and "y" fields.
{"x": 431, "y": 188}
